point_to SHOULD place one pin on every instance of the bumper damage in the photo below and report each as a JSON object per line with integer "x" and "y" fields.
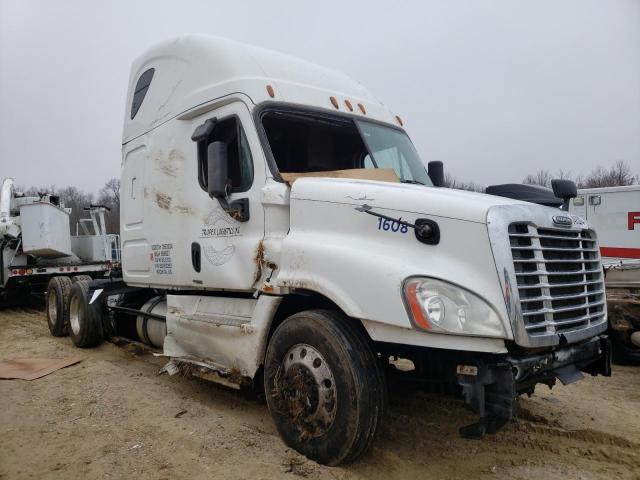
{"x": 490, "y": 389}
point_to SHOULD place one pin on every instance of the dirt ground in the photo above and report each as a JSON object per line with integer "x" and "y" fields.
{"x": 112, "y": 416}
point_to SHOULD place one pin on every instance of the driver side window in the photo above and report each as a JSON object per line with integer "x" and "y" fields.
{"x": 230, "y": 132}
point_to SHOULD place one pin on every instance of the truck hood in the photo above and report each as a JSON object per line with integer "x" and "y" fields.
{"x": 438, "y": 202}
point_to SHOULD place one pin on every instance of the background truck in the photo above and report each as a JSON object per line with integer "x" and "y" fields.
{"x": 280, "y": 231}
{"x": 36, "y": 245}
{"x": 614, "y": 212}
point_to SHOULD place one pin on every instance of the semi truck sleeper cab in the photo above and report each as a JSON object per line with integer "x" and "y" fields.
{"x": 279, "y": 229}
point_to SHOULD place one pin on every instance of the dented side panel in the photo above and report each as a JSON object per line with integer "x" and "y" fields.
{"x": 229, "y": 333}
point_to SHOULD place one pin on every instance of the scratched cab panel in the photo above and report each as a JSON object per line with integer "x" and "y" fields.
{"x": 173, "y": 215}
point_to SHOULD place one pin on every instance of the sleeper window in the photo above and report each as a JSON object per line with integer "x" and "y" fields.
{"x": 142, "y": 85}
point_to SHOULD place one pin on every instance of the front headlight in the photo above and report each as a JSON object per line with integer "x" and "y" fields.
{"x": 438, "y": 306}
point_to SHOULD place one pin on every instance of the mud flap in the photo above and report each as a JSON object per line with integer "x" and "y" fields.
{"x": 568, "y": 374}
{"x": 490, "y": 392}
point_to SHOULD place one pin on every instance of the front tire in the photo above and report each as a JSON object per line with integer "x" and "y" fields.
{"x": 324, "y": 386}
{"x": 85, "y": 320}
{"x": 56, "y": 301}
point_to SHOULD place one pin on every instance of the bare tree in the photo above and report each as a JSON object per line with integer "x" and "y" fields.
{"x": 110, "y": 193}
{"x": 110, "y": 197}
{"x": 541, "y": 177}
{"x": 37, "y": 191}
{"x": 618, "y": 175}
{"x": 451, "y": 182}
{"x": 77, "y": 200}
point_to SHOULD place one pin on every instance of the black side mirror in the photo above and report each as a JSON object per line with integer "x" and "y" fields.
{"x": 217, "y": 170}
{"x": 564, "y": 189}
{"x": 219, "y": 183}
{"x": 435, "y": 170}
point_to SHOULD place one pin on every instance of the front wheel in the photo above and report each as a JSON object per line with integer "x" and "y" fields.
{"x": 324, "y": 386}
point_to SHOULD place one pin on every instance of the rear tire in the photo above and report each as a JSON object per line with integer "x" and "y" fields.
{"x": 56, "y": 302}
{"x": 85, "y": 320}
{"x": 77, "y": 278}
{"x": 324, "y": 386}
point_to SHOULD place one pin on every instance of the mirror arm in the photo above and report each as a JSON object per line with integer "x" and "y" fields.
{"x": 237, "y": 209}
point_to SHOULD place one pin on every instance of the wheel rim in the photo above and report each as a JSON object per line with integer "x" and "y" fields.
{"x": 52, "y": 306}
{"x": 74, "y": 315}
{"x": 306, "y": 386}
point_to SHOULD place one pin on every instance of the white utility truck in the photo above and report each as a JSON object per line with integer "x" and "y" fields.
{"x": 36, "y": 245}
{"x": 280, "y": 230}
{"x": 614, "y": 212}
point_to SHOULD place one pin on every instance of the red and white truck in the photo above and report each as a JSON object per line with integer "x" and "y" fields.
{"x": 614, "y": 212}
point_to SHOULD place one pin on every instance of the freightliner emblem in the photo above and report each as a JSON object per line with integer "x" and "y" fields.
{"x": 562, "y": 220}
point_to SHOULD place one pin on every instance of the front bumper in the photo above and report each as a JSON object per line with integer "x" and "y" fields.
{"x": 491, "y": 388}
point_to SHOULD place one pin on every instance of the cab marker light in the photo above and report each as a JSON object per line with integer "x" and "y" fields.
{"x": 399, "y": 120}
{"x": 270, "y": 91}
{"x": 349, "y": 106}
{"x": 362, "y": 109}
{"x": 334, "y": 102}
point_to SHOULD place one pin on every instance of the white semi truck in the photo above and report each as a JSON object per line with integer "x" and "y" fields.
{"x": 280, "y": 230}
{"x": 36, "y": 245}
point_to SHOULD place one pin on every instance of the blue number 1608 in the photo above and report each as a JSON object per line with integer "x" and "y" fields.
{"x": 390, "y": 225}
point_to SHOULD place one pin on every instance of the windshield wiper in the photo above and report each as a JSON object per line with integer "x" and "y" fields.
{"x": 413, "y": 182}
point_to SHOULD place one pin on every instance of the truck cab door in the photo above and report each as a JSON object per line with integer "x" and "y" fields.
{"x": 222, "y": 249}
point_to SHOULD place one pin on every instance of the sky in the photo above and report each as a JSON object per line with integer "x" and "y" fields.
{"x": 495, "y": 89}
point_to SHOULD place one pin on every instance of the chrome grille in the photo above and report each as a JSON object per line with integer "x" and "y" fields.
{"x": 559, "y": 279}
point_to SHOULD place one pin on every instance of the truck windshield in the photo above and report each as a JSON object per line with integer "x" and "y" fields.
{"x": 391, "y": 148}
{"x": 303, "y": 142}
